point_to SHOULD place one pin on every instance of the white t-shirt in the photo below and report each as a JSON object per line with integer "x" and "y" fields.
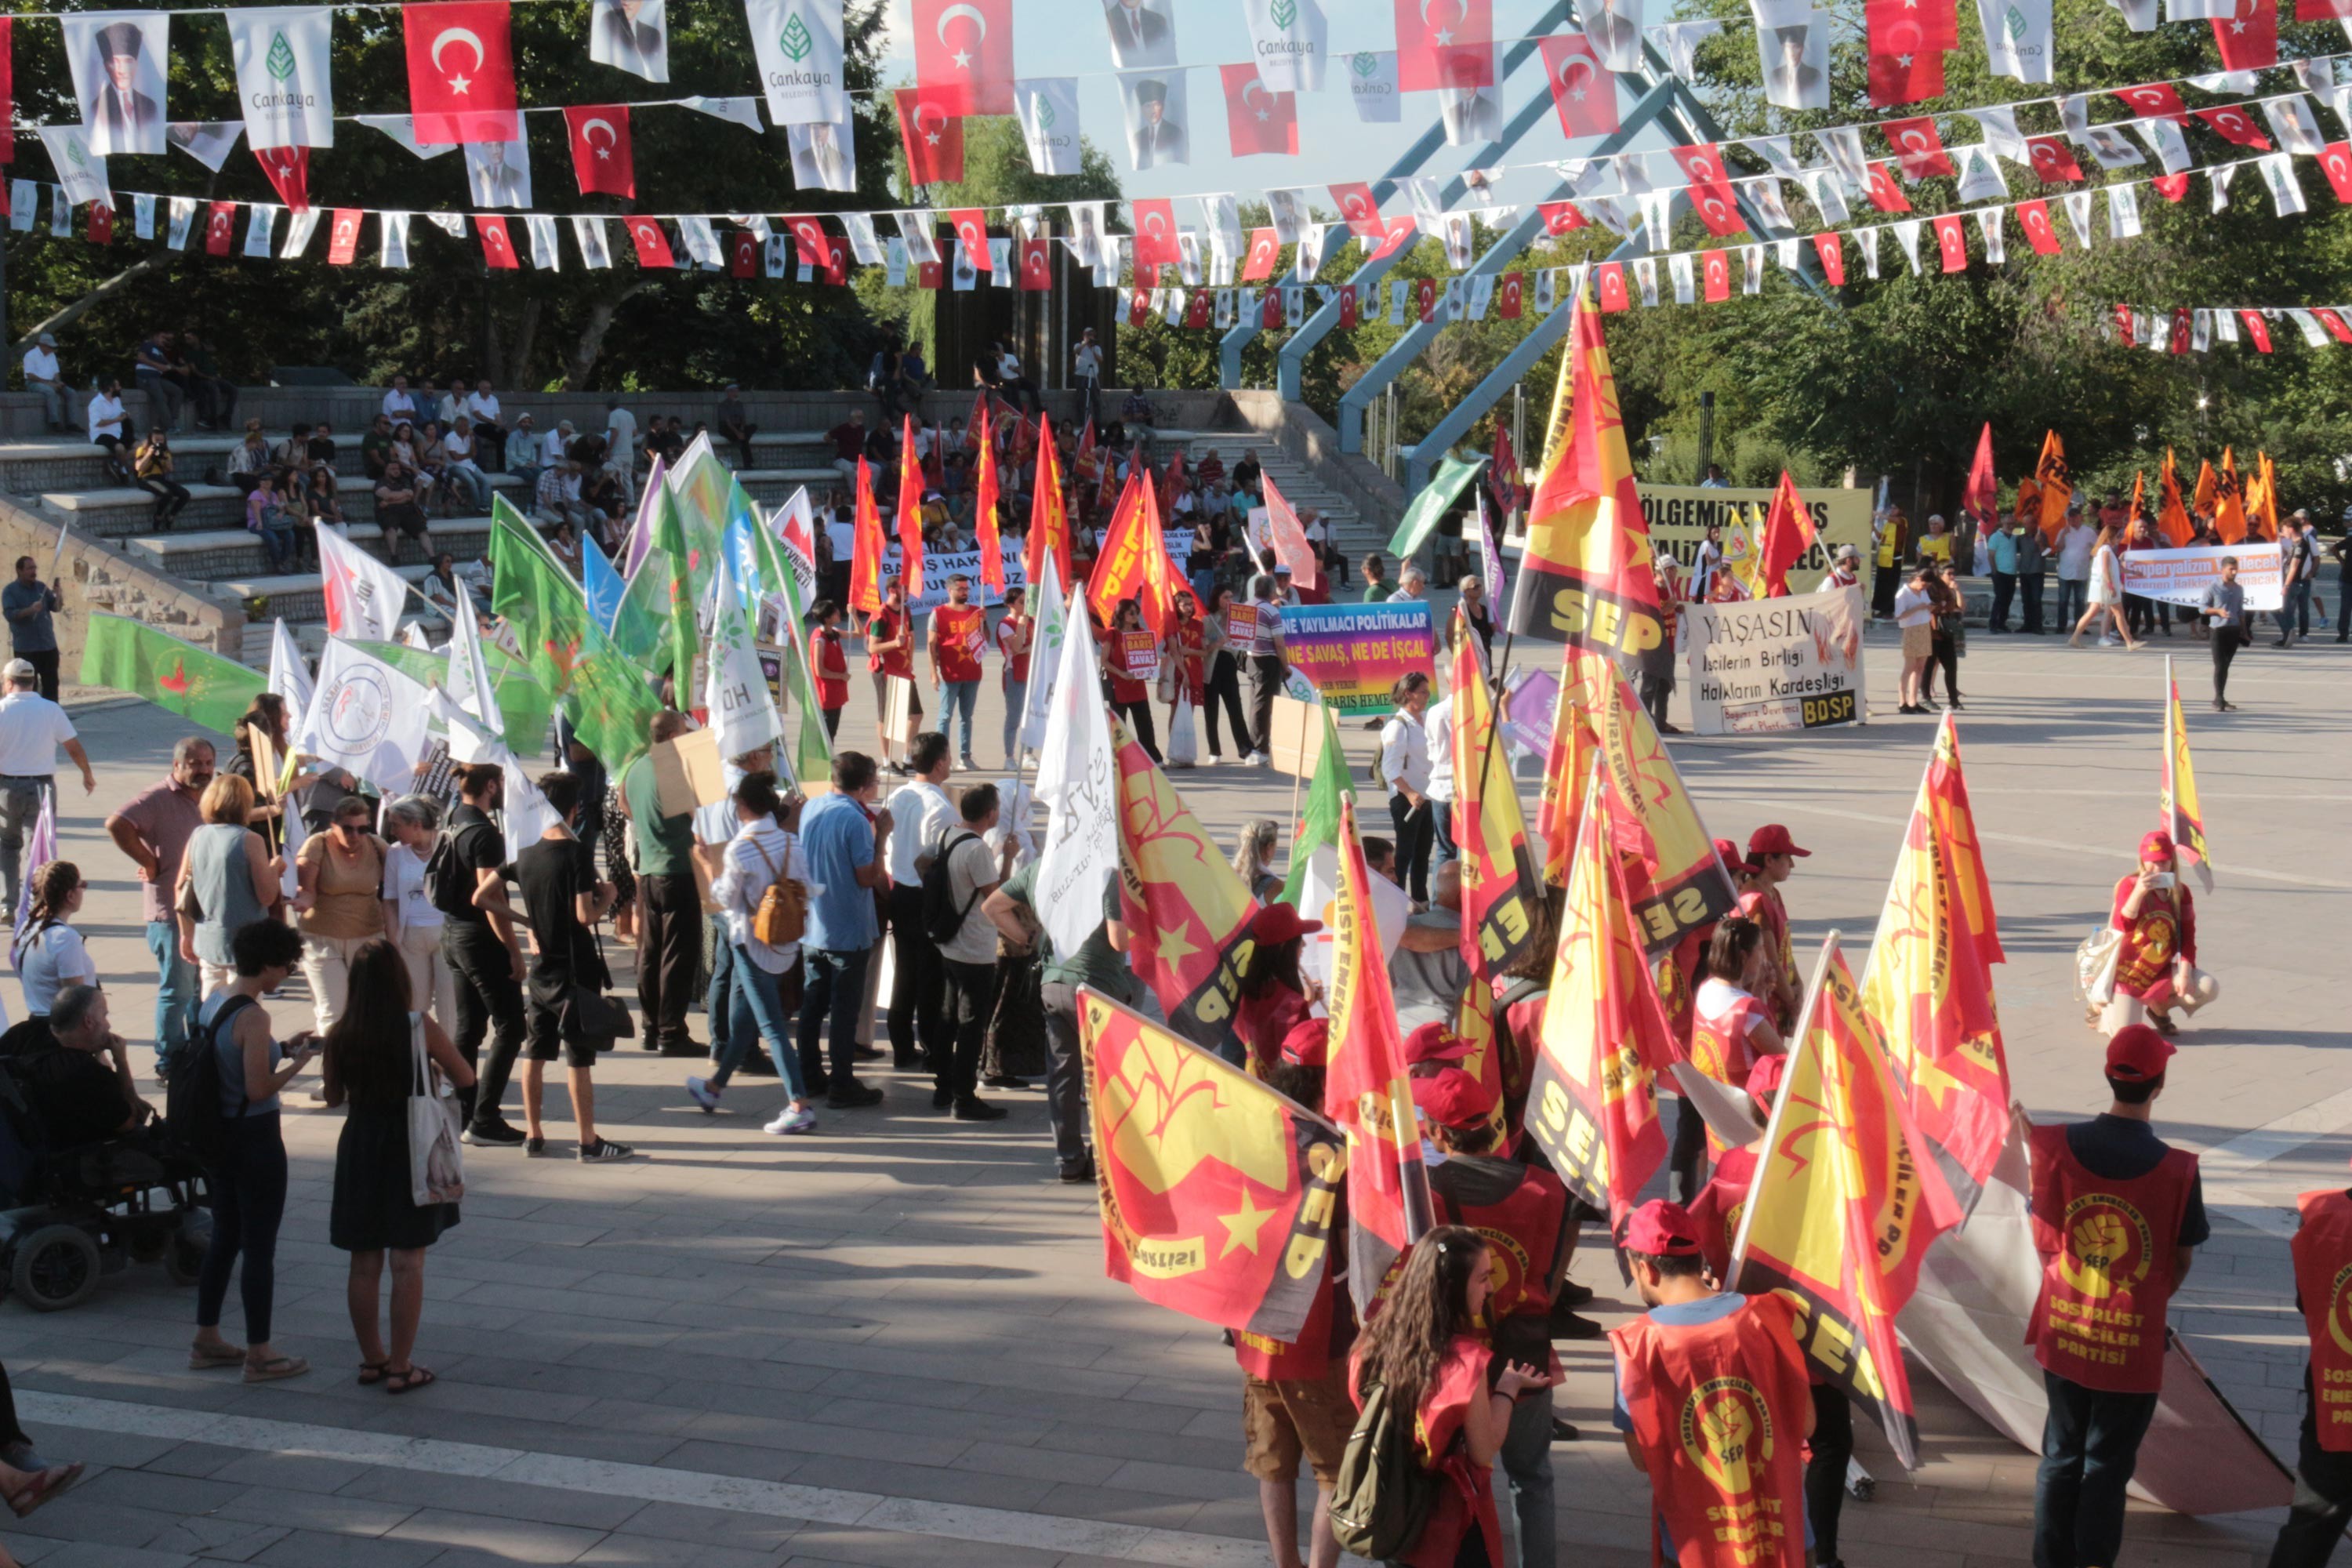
{"x": 1716, "y": 997}
{"x": 1089, "y": 360}
{"x": 105, "y": 416}
{"x": 971, "y": 865}
{"x": 1437, "y": 724}
{"x": 1009, "y": 366}
{"x": 399, "y": 406}
{"x": 403, "y": 884}
{"x": 32, "y": 728}
{"x": 50, "y": 962}
{"x": 757, "y": 854}
{"x": 1404, "y": 753}
{"x": 1912, "y": 606}
{"x": 460, "y": 448}
{"x": 622, "y": 426}
{"x": 40, "y": 364}
{"x": 2074, "y": 551}
{"x": 483, "y": 406}
{"x": 920, "y": 813}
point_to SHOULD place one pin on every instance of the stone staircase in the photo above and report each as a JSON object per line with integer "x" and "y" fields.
{"x": 1349, "y": 533}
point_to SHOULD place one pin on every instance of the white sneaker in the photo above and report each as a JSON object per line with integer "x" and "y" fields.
{"x": 2109, "y": 642}
{"x": 791, "y": 1122}
{"x": 698, "y": 1090}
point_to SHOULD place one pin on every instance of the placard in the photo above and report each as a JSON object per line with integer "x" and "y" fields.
{"x": 1354, "y": 655}
{"x": 1770, "y": 665}
{"x": 1295, "y": 746}
{"x": 2181, "y": 576}
{"x": 688, "y": 773}
{"x": 1679, "y": 515}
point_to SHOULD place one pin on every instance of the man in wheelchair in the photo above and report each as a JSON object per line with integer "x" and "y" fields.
{"x": 74, "y": 1072}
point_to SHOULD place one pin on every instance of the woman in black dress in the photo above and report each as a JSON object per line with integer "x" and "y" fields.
{"x": 370, "y": 1067}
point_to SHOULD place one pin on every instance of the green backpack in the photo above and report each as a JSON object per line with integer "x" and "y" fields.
{"x": 1382, "y": 1496}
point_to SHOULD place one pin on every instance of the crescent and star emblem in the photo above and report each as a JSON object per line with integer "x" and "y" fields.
{"x": 611, "y": 137}
{"x": 1441, "y": 36}
{"x": 457, "y": 83}
{"x": 963, "y": 57}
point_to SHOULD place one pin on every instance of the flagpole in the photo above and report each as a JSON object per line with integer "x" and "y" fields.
{"x": 1804, "y": 1031}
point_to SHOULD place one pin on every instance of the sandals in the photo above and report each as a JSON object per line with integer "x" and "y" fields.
{"x": 275, "y": 1368}
{"x": 374, "y": 1371}
{"x": 204, "y": 1358}
{"x": 416, "y": 1377}
{"x": 45, "y": 1485}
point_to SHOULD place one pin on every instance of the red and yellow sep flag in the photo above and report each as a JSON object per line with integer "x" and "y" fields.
{"x": 865, "y": 547}
{"x": 1049, "y": 514}
{"x": 1844, "y": 1205}
{"x": 1186, "y": 912}
{"x": 1217, "y": 1193}
{"x": 1574, "y": 744}
{"x": 1928, "y": 982}
{"x": 1499, "y": 882}
{"x": 1134, "y": 561}
{"x": 1365, "y": 1088}
{"x": 2176, "y": 792}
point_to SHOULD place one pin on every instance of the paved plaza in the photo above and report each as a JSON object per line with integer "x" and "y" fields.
{"x": 891, "y": 1344}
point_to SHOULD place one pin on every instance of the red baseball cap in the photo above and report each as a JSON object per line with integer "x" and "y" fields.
{"x": 1278, "y": 923}
{"x": 1773, "y": 839}
{"x": 2156, "y": 845}
{"x": 1729, "y": 853}
{"x": 1451, "y": 1097}
{"x": 1662, "y": 1229}
{"x": 1764, "y": 1078}
{"x": 1308, "y": 1043}
{"x": 1434, "y": 1043}
{"x": 2138, "y": 1053}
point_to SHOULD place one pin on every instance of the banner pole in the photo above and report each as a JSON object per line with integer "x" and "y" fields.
{"x": 1804, "y": 1031}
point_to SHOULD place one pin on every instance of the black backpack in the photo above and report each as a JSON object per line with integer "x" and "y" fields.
{"x": 449, "y": 882}
{"x": 191, "y": 1103}
{"x": 1381, "y": 1498}
{"x": 942, "y": 918}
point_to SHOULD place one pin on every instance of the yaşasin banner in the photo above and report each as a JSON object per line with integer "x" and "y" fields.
{"x": 1354, "y": 654}
{"x": 1768, "y": 664}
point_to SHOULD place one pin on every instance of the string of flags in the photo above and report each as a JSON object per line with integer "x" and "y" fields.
{"x": 2198, "y": 329}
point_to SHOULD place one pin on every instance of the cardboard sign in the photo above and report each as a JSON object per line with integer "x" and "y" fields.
{"x": 688, "y": 772}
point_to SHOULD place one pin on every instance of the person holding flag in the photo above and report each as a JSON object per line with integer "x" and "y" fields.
{"x": 828, "y": 663}
{"x": 1014, "y": 633}
{"x": 959, "y": 631}
{"x": 2156, "y": 968}
{"x": 890, "y": 654}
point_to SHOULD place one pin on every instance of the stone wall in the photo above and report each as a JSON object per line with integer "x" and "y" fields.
{"x": 95, "y": 574}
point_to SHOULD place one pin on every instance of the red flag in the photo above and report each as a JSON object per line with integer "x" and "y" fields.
{"x": 461, "y": 85}
{"x": 1365, "y": 1088}
{"x": 866, "y": 548}
{"x": 1425, "y": 291}
{"x": 1787, "y": 534}
{"x": 1906, "y": 45}
{"x": 1498, "y": 876}
{"x": 2156, "y": 101}
{"x": 1258, "y": 121}
{"x": 2257, "y": 329}
{"x": 1511, "y": 296}
{"x": 1701, "y": 162}
{"x": 1134, "y": 560}
{"x": 2173, "y": 188}
{"x": 2053, "y": 163}
{"x": 1036, "y": 265}
{"x": 1049, "y": 514}
{"x": 1503, "y": 477}
{"x": 1715, "y": 272}
{"x": 101, "y": 224}
{"x": 1717, "y": 209}
{"x": 344, "y": 238}
{"x": 1609, "y": 282}
{"x": 1884, "y": 192}
{"x": 221, "y": 217}
{"x": 1918, "y": 147}
{"x": 1270, "y": 309}
{"x": 930, "y": 275}
{"x": 2336, "y": 162}
{"x": 498, "y": 250}
{"x": 742, "y": 253}
{"x": 1829, "y": 247}
{"x": 601, "y": 158}
{"x": 963, "y": 55}
{"x": 2035, "y": 216}
{"x": 984, "y": 502}
{"x": 808, "y": 238}
{"x": 1290, "y": 546}
{"x": 911, "y": 510}
{"x": 1155, "y": 236}
{"x": 1952, "y": 241}
{"x": 1562, "y": 217}
{"x": 1360, "y": 211}
{"x": 2232, "y": 123}
{"x": 1400, "y": 234}
{"x": 1263, "y": 251}
{"x": 7, "y": 93}
{"x": 1444, "y": 43}
{"x": 1348, "y": 315}
{"x": 1139, "y": 308}
{"x": 1196, "y": 309}
{"x": 833, "y": 265}
{"x": 1582, "y": 90}
{"x": 2248, "y": 40}
{"x": 1981, "y": 499}
{"x": 653, "y": 244}
{"x": 289, "y": 171}
{"x": 971, "y": 230}
{"x": 933, "y": 139}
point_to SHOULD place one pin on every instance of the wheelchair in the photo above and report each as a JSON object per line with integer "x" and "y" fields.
{"x": 71, "y": 1215}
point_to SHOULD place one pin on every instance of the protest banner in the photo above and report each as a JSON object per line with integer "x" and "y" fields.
{"x": 1353, "y": 654}
{"x": 1763, "y": 666}
{"x": 937, "y": 567}
{"x": 1680, "y": 515}
{"x": 2179, "y": 576}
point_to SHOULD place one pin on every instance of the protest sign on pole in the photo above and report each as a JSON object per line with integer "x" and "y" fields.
{"x": 1762, "y": 665}
{"x": 1354, "y": 654}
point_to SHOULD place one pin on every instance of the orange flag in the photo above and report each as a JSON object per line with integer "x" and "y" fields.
{"x": 2177, "y": 812}
{"x": 2055, "y": 484}
{"x": 2261, "y": 504}
{"x": 2171, "y": 517}
{"x": 1049, "y": 514}
{"x": 2208, "y": 487}
{"x": 1787, "y": 534}
{"x": 2139, "y": 494}
{"x": 1498, "y": 879}
{"x": 984, "y": 499}
{"x": 1574, "y": 743}
{"x": 1134, "y": 559}
{"x": 2228, "y": 500}
{"x": 866, "y": 548}
{"x": 1217, "y": 1193}
{"x": 910, "y": 512}
{"x": 1187, "y": 913}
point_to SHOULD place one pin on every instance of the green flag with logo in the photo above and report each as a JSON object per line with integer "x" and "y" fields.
{"x": 1319, "y": 821}
{"x": 131, "y": 656}
{"x": 1438, "y": 497}
{"x": 524, "y": 702}
{"x": 680, "y": 634}
{"x": 605, "y": 693}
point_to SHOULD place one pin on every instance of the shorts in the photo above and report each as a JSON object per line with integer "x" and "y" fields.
{"x": 544, "y": 1032}
{"x": 1280, "y": 1421}
{"x": 1919, "y": 641}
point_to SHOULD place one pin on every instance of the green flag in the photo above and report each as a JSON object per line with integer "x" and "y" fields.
{"x": 605, "y": 693}
{"x": 698, "y": 486}
{"x": 641, "y": 629}
{"x": 1318, "y": 823}
{"x": 681, "y": 635}
{"x": 812, "y": 747}
{"x": 131, "y": 656}
{"x": 1444, "y": 489}
{"x": 524, "y": 702}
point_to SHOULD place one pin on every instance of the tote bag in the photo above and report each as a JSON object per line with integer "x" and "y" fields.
{"x": 437, "y": 1168}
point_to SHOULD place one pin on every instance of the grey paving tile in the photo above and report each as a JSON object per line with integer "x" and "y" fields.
{"x": 1120, "y": 1505}
{"x": 494, "y": 1498}
{"x": 890, "y": 1549}
{"x": 644, "y": 1552}
{"x": 154, "y": 1490}
{"x": 713, "y": 1526}
{"x": 317, "y": 1512}
{"x": 931, "y": 1483}
{"x": 497, "y": 1536}
{"x": 85, "y": 1555}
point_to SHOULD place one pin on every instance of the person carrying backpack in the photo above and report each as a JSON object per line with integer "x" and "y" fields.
{"x": 479, "y": 946}
{"x": 962, "y": 873}
{"x": 762, "y": 899}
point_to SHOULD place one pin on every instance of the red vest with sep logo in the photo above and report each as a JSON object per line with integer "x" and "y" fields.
{"x": 2323, "y": 1283}
{"x": 1295, "y": 1360}
{"x": 2108, "y": 1251}
{"x": 1719, "y": 1412}
{"x": 1718, "y": 1206}
{"x": 1522, "y": 1237}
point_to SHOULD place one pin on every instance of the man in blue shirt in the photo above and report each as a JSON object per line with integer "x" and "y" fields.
{"x": 28, "y": 603}
{"x": 843, "y": 838}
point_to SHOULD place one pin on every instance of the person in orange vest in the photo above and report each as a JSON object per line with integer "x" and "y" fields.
{"x": 1731, "y": 1021}
{"x": 1711, "y": 1396}
{"x": 1522, "y": 1214}
{"x": 2116, "y": 1215}
{"x": 1772, "y": 856}
{"x": 2323, "y": 1474}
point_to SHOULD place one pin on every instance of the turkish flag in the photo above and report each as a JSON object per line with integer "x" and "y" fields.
{"x": 1357, "y": 205}
{"x": 1155, "y": 234}
{"x": 1906, "y": 45}
{"x": 1919, "y": 148}
{"x": 1829, "y": 249}
{"x": 1139, "y": 308}
{"x": 289, "y": 169}
{"x": 1561, "y": 217}
{"x": 343, "y": 237}
{"x": 1270, "y": 308}
{"x": 930, "y": 274}
{"x": 2183, "y": 325}
{"x": 1713, "y": 205}
{"x": 101, "y": 224}
{"x": 461, "y": 85}
{"x": 742, "y": 253}
{"x": 963, "y": 55}
{"x": 1347, "y": 307}
{"x": 1263, "y": 251}
{"x": 1258, "y": 121}
{"x": 2336, "y": 161}
{"x": 2334, "y": 322}
{"x": 1444, "y": 43}
{"x": 2053, "y": 163}
{"x": 2173, "y": 188}
{"x": 933, "y": 138}
{"x": 1610, "y": 279}
{"x": 1952, "y": 239}
{"x": 1036, "y": 265}
{"x": 832, "y": 263}
{"x": 2248, "y": 40}
{"x": 1701, "y": 163}
{"x": 1884, "y": 192}
{"x": 2257, "y": 329}
{"x": 2157, "y": 101}
{"x": 2233, "y": 125}
{"x": 498, "y": 250}
{"x": 1715, "y": 271}
{"x": 972, "y": 227}
{"x": 653, "y": 244}
{"x": 1196, "y": 312}
{"x": 1425, "y": 298}
{"x": 808, "y": 240}
{"x": 1583, "y": 90}
{"x": 2123, "y": 332}
{"x": 2035, "y": 216}
{"x": 1511, "y": 298}
{"x": 220, "y": 218}
{"x": 601, "y": 157}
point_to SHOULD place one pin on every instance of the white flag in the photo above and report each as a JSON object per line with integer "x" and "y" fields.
{"x": 1048, "y": 109}
{"x": 363, "y": 597}
{"x": 544, "y": 253}
{"x": 863, "y": 243}
{"x": 1047, "y": 627}
{"x": 1158, "y": 134}
{"x": 1077, "y": 780}
{"x": 1372, "y": 86}
{"x": 184, "y": 217}
{"x": 24, "y": 199}
{"x": 526, "y": 811}
{"x": 401, "y": 129}
{"x": 297, "y": 234}
{"x": 39, "y": 850}
{"x": 2286, "y": 189}
{"x": 61, "y": 206}
{"x": 81, "y": 173}
{"x": 2123, "y": 211}
{"x": 283, "y": 76}
{"x": 1980, "y": 176}
{"x": 117, "y": 59}
{"x": 1289, "y": 39}
{"x": 499, "y": 172}
{"x": 795, "y": 526}
{"x": 142, "y": 216}
{"x": 260, "y": 222}
{"x": 590, "y": 232}
{"x": 797, "y": 44}
{"x": 290, "y": 672}
{"x": 914, "y": 228}
{"x": 367, "y": 717}
{"x": 1795, "y": 54}
{"x": 743, "y": 111}
{"x": 2016, "y": 38}
{"x": 824, "y": 153}
{"x": 701, "y": 239}
{"x": 469, "y": 673}
{"x": 451, "y": 224}
{"x": 394, "y": 230}
{"x": 2296, "y": 126}
{"x": 742, "y": 709}
{"x": 209, "y": 143}
{"x": 634, "y": 38}
{"x": 1991, "y": 224}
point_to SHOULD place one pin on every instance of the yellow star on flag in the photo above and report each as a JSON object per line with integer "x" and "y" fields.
{"x": 1241, "y": 1229}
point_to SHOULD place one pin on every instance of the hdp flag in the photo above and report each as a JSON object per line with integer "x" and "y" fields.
{"x": 605, "y": 693}
{"x": 1319, "y": 819}
{"x": 1585, "y": 577}
{"x": 1187, "y": 913}
{"x": 1844, "y": 1205}
{"x": 1217, "y": 1193}
{"x": 1498, "y": 879}
{"x": 1928, "y": 984}
{"x": 524, "y": 705}
{"x": 2176, "y": 794}
{"x": 131, "y": 656}
{"x": 680, "y": 634}
{"x": 603, "y": 585}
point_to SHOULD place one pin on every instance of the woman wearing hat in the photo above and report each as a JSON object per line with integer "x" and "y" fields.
{"x": 1772, "y": 856}
{"x": 2157, "y": 969}
{"x": 1275, "y": 996}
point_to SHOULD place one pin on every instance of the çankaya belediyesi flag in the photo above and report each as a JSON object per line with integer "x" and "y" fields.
{"x": 1844, "y": 1205}
{"x": 1289, "y": 41}
{"x": 1498, "y": 879}
{"x": 2176, "y": 790}
{"x": 366, "y": 717}
{"x": 124, "y": 654}
{"x": 1186, "y": 912}
{"x": 1927, "y": 984}
{"x": 81, "y": 173}
{"x": 798, "y": 47}
{"x": 1217, "y": 1193}
{"x": 284, "y": 74}
{"x": 2016, "y": 38}
{"x": 1077, "y": 778}
{"x": 1049, "y": 110}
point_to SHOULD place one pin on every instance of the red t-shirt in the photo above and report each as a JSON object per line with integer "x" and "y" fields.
{"x": 1010, "y": 633}
{"x": 830, "y": 664}
{"x": 901, "y": 660}
{"x": 959, "y": 632}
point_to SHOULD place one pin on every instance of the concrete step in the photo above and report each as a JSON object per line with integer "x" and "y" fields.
{"x": 299, "y": 597}
{"x": 221, "y": 554}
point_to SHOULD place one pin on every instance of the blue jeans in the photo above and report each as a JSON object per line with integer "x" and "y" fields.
{"x": 1017, "y": 697}
{"x": 836, "y": 990}
{"x": 719, "y": 1005}
{"x": 958, "y": 697}
{"x": 177, "y": 991}
{"x": 2074, "y": 598}
{"x": 2089, "y": 1446}
{"x": 2294, "y": 613}
{"x": 277, "y": 542}
{"x": 1527, "y": 1465}
{"x": 757, "y": 1012}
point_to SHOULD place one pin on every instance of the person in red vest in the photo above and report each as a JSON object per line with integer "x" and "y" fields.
{"x": 890, "y": 651}
{"x": 959, "y": 631}
{"x": 1523, "y": 1215}
{"x": 1772, "y": 856}
{"x": 2116, "y": 1214}
{"x": 1712, "y": 1399}
{"x": 1013, "y": 635}
{"x": 2323, "y": 1291}
{"x": 1731, "y": 1023}
{"x": 2157, "y": 969}
{"x": 828, "y": 663}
